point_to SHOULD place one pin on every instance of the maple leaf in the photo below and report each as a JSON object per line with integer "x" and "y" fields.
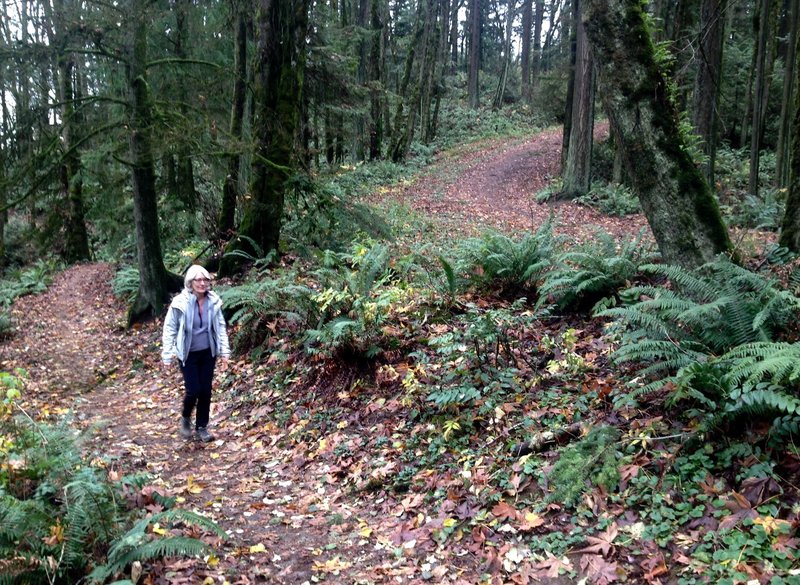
{"x": 602, "y": 543}
{"x": 740, "y": 508}
{"x": 599, "y": 570}
{"x": 550, "y": 568}
{"x": 503, "y": 510}
{"x": 530, "y": 521}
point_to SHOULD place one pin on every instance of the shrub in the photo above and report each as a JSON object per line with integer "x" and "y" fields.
{"x": 677, "y": 335}
{"x": 273, "y": 295}
{"x": 598, "y": 270}
{"x": 126, "y": 283}
{"x": 593, "y": 460}
{"x": 31, "y": 280}
{"x": 495, "y": 261}
{"x": 611, "y": 199}
{"x": 358, "y": 292}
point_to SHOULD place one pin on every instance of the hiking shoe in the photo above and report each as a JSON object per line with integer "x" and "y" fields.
{"x": 204, "y": 435}
{"x": 186, "y": 428}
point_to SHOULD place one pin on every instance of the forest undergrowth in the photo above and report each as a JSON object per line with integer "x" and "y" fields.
{"x": 540, "y": 402}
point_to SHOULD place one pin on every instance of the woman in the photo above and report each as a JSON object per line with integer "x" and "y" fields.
{"x": 194, "y": 332}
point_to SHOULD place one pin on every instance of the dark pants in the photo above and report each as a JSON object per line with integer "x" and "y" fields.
{"x": 198, "y": 372}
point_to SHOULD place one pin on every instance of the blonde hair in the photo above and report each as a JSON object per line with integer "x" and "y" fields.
{"x": 195, "y": 270}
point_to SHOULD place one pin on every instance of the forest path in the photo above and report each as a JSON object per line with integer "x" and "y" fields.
{"x": 289, "y": 520}
{"x": 283, "y": 514}
{"x": 494, "y": 184}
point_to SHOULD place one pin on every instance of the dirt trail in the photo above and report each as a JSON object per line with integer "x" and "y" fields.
{"x": 287, "y": 518}
{"x": 495, "y": 185}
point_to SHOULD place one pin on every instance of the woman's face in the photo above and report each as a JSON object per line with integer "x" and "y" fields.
{"x": 200, "y": 285}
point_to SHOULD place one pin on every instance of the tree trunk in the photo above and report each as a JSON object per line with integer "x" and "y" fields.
{"x": 184, "y": 168}
{"x": 707, "y": 82}
{"x": 497, "y": 103}
{"x": 375, "y": 69}
{"x": 230, "y": 188}
{"x": 577, "y": 171}
{"x": 790, "y": 230}
{"x": 473, "y": 84}
{"x": 676, "y": 199}
{"x": 525, "y": 51}
{"x": 789, "y": 87}
{"x": 566, "y": 131}
{"x": 280, "y": 63}
{"x": 457, "y": 4}
{"x": 155, "y": 283}
{"x": 76, "y": 240}
{"x": 761, "y": 94}
{"x": 536, "y": 64}
{"x": 408, "y": 104}
{"x": 431, "y": 121}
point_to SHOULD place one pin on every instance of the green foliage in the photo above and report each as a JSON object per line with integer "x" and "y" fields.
{"x": 25, "y": 281}
{"x": 358, "y": 291}
{"x": 611, "y": 199}
{"x": 708, "y": 339}
{"x": 6, "y": 325}
{"x": 764, "y": 211}
{"x": 324, "y": 214}
{"x": 272, "y": 295}
{"x": 126, "y": 283}
{"x": 477, "y": 363}
{"x": 700, "y": 313}
{"x": 495, "y": 261}
{"x": 459, "y": 124}
{"x": 138, "y": 544}
{"x": 598, "y": 269}
{"x": 555, "y": 187}
{"x": 59, "y": 513}
{"x": 593, "y": 460}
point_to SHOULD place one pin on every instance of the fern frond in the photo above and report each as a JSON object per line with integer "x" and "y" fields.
{"x": 778, "y": 363}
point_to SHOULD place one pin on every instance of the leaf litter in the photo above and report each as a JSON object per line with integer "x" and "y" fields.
{"x": 315, "y": 496}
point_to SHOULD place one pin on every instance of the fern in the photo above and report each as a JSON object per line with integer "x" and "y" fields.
{"x": 126, "y": 283}
{"x": 55, "y": 505}
{"x": 583, "y": 277}
{"x": 138, "y": 545}
{"x": 496, "y": 261}
{"x": 752, "y": 363}
{"x": 697, "y": 316}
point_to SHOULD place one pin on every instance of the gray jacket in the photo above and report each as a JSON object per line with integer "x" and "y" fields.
{"x": 176, "y": 338}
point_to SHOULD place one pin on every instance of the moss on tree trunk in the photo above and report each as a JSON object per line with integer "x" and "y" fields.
{"x": 155, "y": 282}
{"x": 281, "y": 32}
{"x": 678, "y": 203}
{"x": 790, "y": 230}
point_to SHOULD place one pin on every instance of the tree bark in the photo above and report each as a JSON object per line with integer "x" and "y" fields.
{"x": 473, "y": 83}
{"x": 375, "y": 69}
{"x": 184, "y": 167}
{"x": 536, "y": 58}
{"x": 155, "y": 283}
{"x": 790, "y": 230}
{"x": 525, "y": 50}
{"x": 230, "y": 188}
{"x": 676, "y": 199}
{"x": 707, "y": 82}
{"x": 497, "y": 103}
{"x": 577, "y": 170}
{"x": 761, "y": 94}
{"x": 76, "y": 239}
{"x": 566, "y": 131}
{"x": 782, "y": 154}
{"x": 280, "y": 74}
